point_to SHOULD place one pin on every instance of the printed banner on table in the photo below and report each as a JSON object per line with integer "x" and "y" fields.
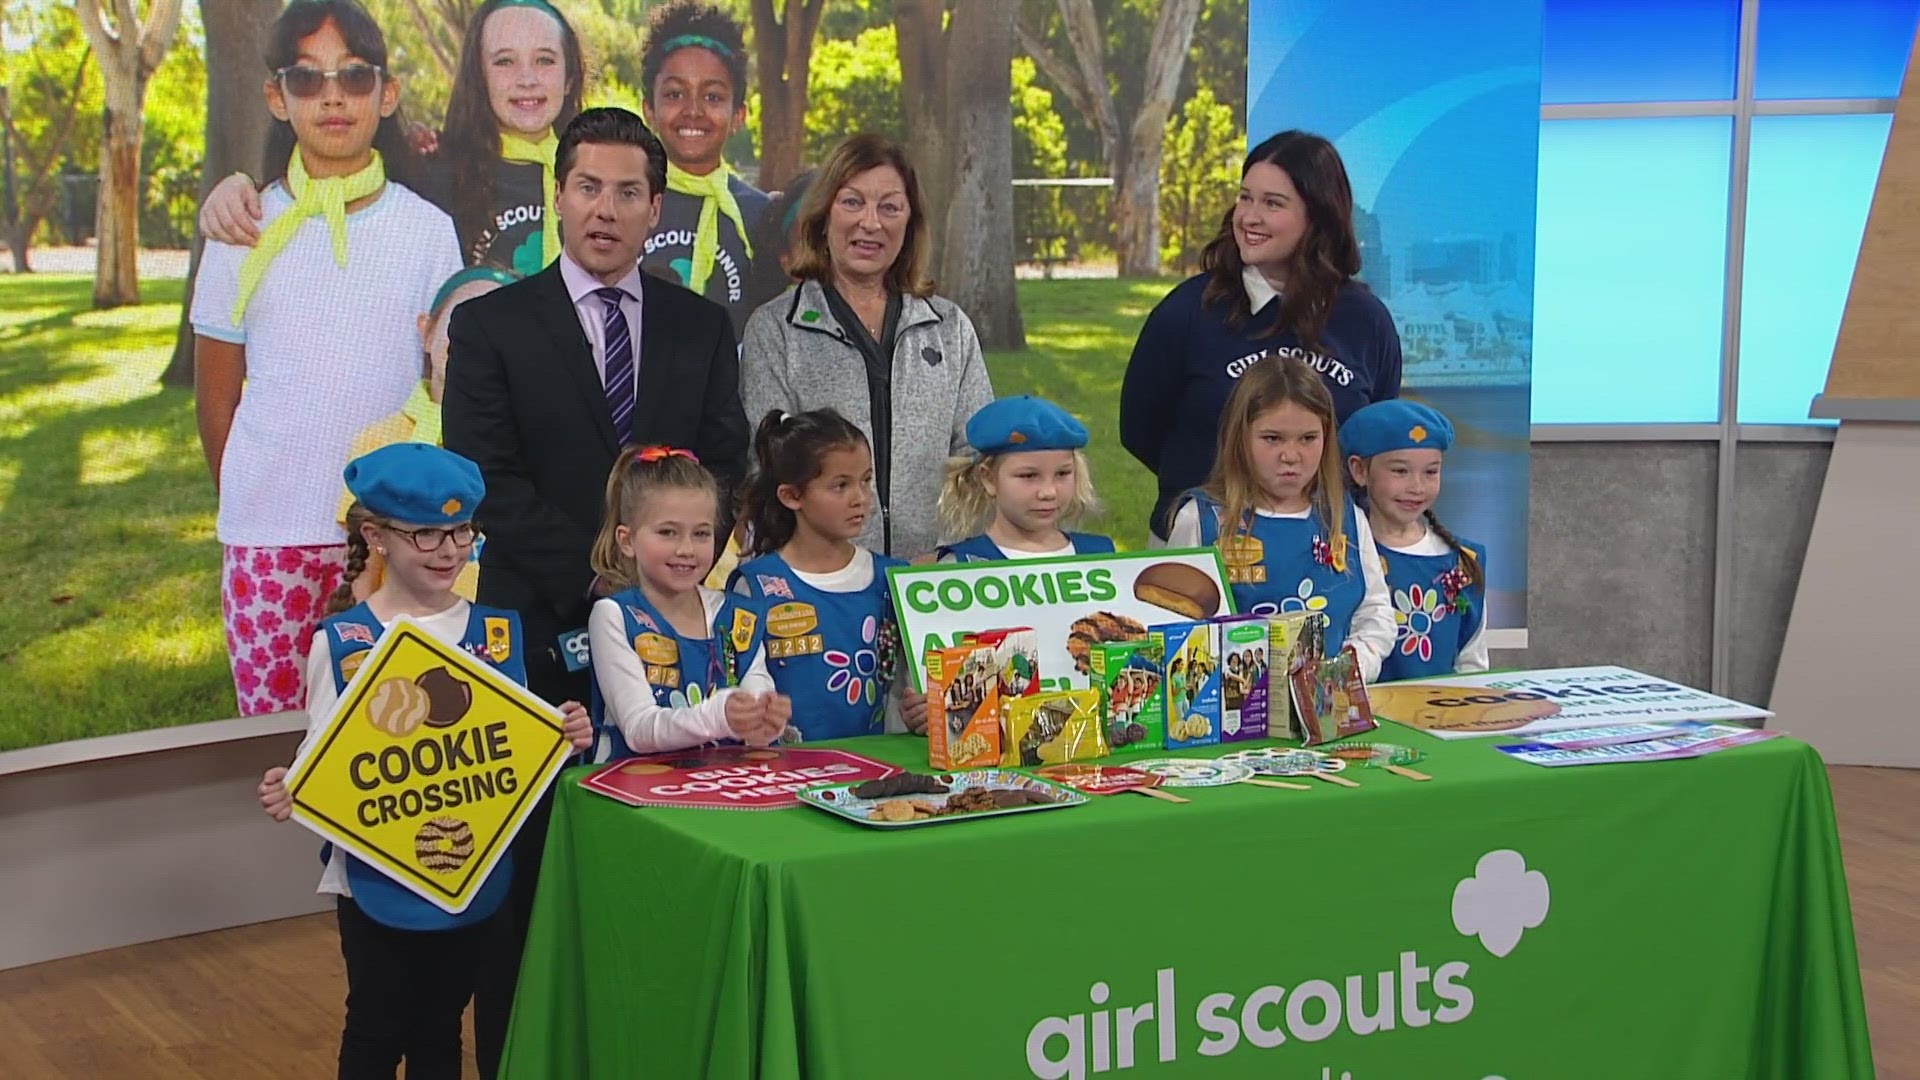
{"x": 430, "y": 764}
{"x": 1558, "y": 699}
{"x": 1071, "y": 602}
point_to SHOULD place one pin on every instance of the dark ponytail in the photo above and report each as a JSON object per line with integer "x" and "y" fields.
{"x": 357, "y": 556}
{"x": 788, "y": 449}
{"x": 1475, "y": 576}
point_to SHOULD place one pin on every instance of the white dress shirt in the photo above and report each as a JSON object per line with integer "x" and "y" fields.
{"x": 581, "y": 288}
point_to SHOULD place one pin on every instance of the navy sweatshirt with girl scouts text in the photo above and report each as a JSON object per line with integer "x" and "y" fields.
{"x": 1187, "y": 360}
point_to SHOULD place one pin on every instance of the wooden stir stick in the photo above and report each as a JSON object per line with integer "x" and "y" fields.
{"x": 1165, "y": 796}
{"x": 1279, "y": 784}
{"x": 1334, "y": 778}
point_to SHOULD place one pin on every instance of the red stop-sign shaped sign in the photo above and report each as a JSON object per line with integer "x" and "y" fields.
{"x": 730, "y": 777}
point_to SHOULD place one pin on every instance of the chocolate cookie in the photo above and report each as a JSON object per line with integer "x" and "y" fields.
{"x": 449, "y": 697}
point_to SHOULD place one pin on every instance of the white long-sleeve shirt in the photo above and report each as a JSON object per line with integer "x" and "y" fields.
{"x": 627, "y": 696}
{"x": 449, "y": 626}
{"x": 1473, "y": 655}
{"x": 1371, "y": 630}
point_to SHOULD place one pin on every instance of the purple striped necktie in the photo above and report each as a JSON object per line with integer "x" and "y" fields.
{"x": 619, "y": 363}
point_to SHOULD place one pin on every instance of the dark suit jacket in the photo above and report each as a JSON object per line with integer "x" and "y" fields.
{"x": 525, "y": 402}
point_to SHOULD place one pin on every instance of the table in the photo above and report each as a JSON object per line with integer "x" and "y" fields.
{"x": 1695, "y": 924}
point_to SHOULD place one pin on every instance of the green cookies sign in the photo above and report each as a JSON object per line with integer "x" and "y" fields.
{"x": 1072, "y": 603}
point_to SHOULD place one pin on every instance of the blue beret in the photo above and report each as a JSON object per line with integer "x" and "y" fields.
{"x": 1398, "y": 424}
{"x": 1014, "y": 424}
{"x": 416, "y": 483}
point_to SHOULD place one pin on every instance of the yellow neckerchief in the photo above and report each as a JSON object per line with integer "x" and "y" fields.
{"x": 425, "y": 414}
{"x": 311, "y": 198}
{"x": 516, "y": 148}
{"x": 706, "y": 236}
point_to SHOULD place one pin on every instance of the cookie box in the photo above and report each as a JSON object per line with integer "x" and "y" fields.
{"x": 1128, "y": 676}
{"x": 963, "y": 706}
{"x": 1016, "y": 658}
{"x": 1052, "y": 728}
{"x": 1244, "y": 662}
{"x": 1190, "y": 682}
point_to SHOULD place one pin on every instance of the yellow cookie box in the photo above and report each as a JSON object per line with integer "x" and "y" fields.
{"x": 1053, "y": 727}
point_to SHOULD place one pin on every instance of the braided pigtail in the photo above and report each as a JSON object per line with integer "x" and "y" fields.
{"x": 1467, "y": 559}
{"x": 357, "y": 555}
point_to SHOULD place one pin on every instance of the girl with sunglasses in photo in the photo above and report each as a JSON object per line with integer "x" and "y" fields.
{"x": 310, "y": 335}
{"x": 519, "y": 80}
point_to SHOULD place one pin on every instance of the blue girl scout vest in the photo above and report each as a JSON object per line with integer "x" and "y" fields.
{"x": 493, "y": 635}
{"x": 1287, "y": 565}
{"x": 1435, "y": 611}
{"x": 831, "y": 652}
{"x": 982, "y": 549}
{"x": 683, "y": 671}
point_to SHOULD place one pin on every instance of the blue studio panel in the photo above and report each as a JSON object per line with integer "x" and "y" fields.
{"x": 1638, "y": 50}
{"x": 1631, "y": 251}
{"x": 1810, "y": 183}
{"x": 1833, "y": 48}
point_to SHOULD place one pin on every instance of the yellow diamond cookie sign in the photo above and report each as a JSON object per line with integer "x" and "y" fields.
{"x": 429, "y": 765}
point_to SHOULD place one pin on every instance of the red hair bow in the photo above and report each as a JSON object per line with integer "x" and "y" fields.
{"x": 658, "y": 453}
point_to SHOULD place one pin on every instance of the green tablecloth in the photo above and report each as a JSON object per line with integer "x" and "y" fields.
{"x": 1695, "y": 925}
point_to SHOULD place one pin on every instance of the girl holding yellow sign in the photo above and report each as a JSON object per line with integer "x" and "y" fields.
{"x": 410, "y": 965}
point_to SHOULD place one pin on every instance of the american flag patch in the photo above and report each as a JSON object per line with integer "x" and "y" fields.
{"x": 642, "y": 618}
{"x": 353, "y": 632}
{"x": 775, "y": 586}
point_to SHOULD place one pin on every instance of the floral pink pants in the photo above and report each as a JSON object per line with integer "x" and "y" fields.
{"x": 271, "y": 599}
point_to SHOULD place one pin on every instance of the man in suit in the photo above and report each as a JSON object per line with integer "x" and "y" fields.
{"x": 547, "y": 379}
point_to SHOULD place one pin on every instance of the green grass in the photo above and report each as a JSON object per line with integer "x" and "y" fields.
{"x": 109, "y": 606}
{"x": 1079, "y": 335}
{"x": 109, "y": 591}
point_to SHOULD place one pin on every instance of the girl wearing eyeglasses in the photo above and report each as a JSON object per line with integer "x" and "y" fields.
{"x": 410, "y": 966}
{"x": 310, "y": 335}
{"x": 519, "y": 80}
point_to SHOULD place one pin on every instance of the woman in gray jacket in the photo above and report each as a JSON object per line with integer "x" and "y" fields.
{"x": 864, "y": 334}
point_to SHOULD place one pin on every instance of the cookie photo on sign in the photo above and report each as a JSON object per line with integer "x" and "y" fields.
{"x": 444, "y": 844}
{"x": 1180, "y": 588}
{"x": 1438, "y": 707}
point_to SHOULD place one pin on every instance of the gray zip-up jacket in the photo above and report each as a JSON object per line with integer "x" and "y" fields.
{"x": 795, "y": 356}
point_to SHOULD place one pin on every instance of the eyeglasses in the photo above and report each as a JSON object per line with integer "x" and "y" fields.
{"x": 427, "y": 541}
{"x": 356, "y": 80}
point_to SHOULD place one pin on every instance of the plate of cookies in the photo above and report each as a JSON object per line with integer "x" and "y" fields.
{"x": 905, "y": 800}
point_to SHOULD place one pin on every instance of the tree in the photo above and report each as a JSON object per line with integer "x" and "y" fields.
{"x": 236, "y": 128}
{"x": 441, "y": 24}
{"x": 853, "y": 86}
{"x": 1199, "y": 175}
{"x": 45, "y": 91}
{"x": 1130, "y": 144}
{"x": 129, "y": 52}
{"x": 783, "y": 52}
{"x": 956, "y": 76}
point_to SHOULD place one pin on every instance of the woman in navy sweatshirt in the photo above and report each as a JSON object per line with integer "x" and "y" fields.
{"x": 1277, "y": 280}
